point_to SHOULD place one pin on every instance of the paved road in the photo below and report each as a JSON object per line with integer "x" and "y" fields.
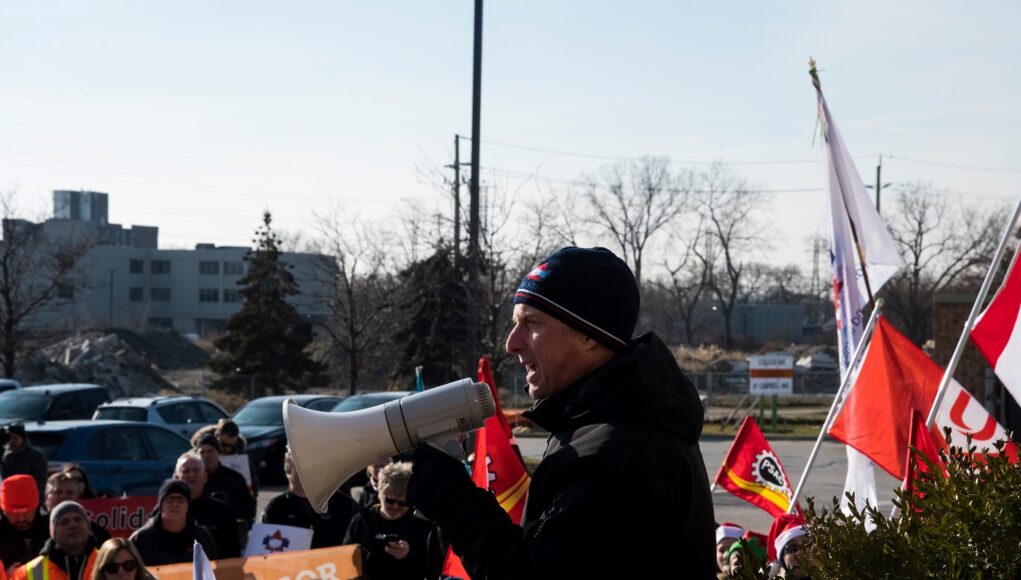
{"x": 825, "y": 482}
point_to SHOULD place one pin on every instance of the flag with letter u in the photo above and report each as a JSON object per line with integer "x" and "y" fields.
{"x": 997, "y": 332}
{"x": 752, "y": 472}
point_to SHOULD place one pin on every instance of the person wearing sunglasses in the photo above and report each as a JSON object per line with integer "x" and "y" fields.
{"x": 118, "y": 559}
{"x": 395, "y": 543}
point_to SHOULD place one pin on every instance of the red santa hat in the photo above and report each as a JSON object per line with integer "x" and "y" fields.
{"x": 784, "y": 529}
{"x": 728, "y": 530}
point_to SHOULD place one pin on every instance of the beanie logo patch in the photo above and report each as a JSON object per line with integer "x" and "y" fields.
{"x": 539, "y": 272}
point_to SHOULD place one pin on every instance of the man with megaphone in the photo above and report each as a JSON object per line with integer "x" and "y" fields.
{"x": 622, "y": 490}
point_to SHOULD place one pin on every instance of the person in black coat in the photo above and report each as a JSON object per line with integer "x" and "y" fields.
{"x": 224, "y": 483}
{"x": 212, "y": 514}
{"x": 292, "y": 508}
{"x": 22, "y": 458}
{"x": 61, "y": 487}
{"x": 170, "y": 534}
{"x": 622, "y": 491}
{"x": 395, "y": 544}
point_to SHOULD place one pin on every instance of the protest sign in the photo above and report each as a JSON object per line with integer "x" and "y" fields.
{"x": 274, "y": 539}
{"x": 120, "y": 516}
{"x": 337, "y": 563}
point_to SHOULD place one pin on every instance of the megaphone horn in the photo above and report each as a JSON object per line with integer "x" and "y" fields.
{"x": 328, "y": 448}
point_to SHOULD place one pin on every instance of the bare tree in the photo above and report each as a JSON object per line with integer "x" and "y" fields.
{"x": 687, "y": 282}
{"x": 38, "y": 278}
{"x": 727, "y": 206}
{"x": 945, "y": 246}
{"x": 360, "y": 285}
{"x": 635, "y": 200}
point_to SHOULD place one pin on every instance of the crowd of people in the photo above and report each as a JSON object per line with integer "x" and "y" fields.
{"x": 624, "y": 426}
{"x": 45, "y": 533}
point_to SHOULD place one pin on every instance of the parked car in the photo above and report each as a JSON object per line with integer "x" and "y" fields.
{"x": 121, "y": 457}
{"x": 367, "y": 400}
{"x": 261, "y": 423}
{"x": 179, "y": 413}
{"x": 9, "y": 385}
{"x": 51, "y": 403}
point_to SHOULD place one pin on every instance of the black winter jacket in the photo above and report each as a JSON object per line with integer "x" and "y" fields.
{"x": 158, "y": 546}
{"x": 29, "y": 461}
{"x": 621, "y": 492}
{"x": 21, "y": 547}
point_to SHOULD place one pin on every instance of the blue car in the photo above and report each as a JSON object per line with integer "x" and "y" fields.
{"x": 120, "y": 457}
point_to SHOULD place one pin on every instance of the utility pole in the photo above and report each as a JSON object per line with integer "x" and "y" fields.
{"x": 879, "y": 186}
{"x": 473, "y": 220}
{"x": 457, "y": 198}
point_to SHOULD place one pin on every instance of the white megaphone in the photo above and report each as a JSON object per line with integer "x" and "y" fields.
{"x": 328, "y": 448}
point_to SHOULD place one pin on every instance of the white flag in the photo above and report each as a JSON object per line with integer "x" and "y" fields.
{"x": 201, "y": 568}
{"x": 852, "y": 212}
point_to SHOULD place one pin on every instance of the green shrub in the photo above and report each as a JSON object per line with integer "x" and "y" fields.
{"x": 966, "y": 525}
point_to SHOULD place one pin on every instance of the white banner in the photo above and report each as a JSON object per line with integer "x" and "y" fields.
{"x": 274, "y": 539}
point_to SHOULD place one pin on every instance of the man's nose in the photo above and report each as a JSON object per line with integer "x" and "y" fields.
{"x": 513, "y": 344}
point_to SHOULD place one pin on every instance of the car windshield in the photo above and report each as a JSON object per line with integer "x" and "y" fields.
{"x": 120, "y": 413}
{"x": 25, "y": 406}
{"x": 260, "y": 415}
{"x": 357, "y": 403}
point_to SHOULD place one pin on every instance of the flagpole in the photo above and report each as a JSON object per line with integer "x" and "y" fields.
{"x": 948, "y": 374}
{"x": 837, "y": 404}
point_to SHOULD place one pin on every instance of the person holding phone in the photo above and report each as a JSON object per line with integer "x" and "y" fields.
{"x": 395, "y": 544}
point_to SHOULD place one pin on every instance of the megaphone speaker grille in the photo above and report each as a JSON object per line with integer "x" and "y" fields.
{"x": 486, "y": 404}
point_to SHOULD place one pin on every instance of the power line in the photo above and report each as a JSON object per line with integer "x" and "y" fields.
{"x": 955, "y": 165}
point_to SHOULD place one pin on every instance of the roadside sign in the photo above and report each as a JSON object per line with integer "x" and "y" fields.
{"x": 771, "y": 374}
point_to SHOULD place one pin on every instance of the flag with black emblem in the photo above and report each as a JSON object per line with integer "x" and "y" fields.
{"x": 753, "y": 472}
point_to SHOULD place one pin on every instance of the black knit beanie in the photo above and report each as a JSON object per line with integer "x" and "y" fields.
{"x": 210, "y": 440}
{"x": 173, "y": 486}
{"x": 589, "y": 289}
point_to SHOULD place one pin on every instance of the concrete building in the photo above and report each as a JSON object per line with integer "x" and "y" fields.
{"x": 132, "y": 283}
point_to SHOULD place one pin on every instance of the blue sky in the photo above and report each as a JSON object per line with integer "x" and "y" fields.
{"x": 197, "y": 116}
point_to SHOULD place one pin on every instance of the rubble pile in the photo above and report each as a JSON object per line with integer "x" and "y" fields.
{"x": 96, "y": 357}
{"x": 166, "y": 348}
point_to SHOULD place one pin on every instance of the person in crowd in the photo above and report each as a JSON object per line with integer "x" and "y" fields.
{"x": 77, "y": 474}
{"x": 62, "y": 487}
{"x": 232, "y": 442}
{"x": 118, "y": 559}
{"x": 370, "y": 491}
{"x": 624, "y": 424}
{"x": 395, "y": 544}
{"x": 69, "y": 554}
{"x": 726, "y": 534}
{"x": 212, "y": 514}
{"x": 748, "y": 550}
{"x": 224, "y": 482}
{"x": 171, "y": 532}
{"x": 292, "y": 508}
{"x": 21, "y": 458}
{"x": 786, "y": 542}
{"x": 24, "y": 529}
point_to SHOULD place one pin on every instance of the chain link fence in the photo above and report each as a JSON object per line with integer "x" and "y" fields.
{"x": 714, "y": 385}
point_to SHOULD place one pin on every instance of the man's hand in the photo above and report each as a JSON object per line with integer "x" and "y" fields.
{"x": 399, "y": 549}
{"x": 435, "y": 475}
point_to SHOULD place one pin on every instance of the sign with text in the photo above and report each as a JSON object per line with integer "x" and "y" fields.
{"x": 239, "y": 463}
{"x": 771, "y": 374}
{"x": 274, "y": 539}
{"x": 337, "y": 563}
{"x": 120, "y": 516}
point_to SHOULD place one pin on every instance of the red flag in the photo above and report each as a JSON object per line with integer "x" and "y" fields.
{"x": 895, "y": 377}
{"x": 922, "y": 440}
{"x": 752, "y": 472}
{"x": 497, "y": 467}
{"x": 997, "y": 332}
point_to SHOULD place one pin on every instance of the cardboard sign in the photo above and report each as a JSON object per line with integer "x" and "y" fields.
{"x": 239, "y": 463}
{"x": 337, "y": 563}
{"x": 771, "y": 374}
{"x": 120, "y": 516}
{"x": 274, "y": 539}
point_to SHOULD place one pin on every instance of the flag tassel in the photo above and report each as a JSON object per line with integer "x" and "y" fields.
{"x": 948, "y": 374}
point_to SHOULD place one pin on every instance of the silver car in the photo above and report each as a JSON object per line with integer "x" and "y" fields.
{"x": 179, "y": 413}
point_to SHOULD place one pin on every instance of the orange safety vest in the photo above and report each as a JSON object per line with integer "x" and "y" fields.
{"x": 42, "y": 568}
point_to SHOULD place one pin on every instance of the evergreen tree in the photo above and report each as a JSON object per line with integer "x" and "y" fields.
{"x": 433, "y": 321}
{"x": 267, "y": 338}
